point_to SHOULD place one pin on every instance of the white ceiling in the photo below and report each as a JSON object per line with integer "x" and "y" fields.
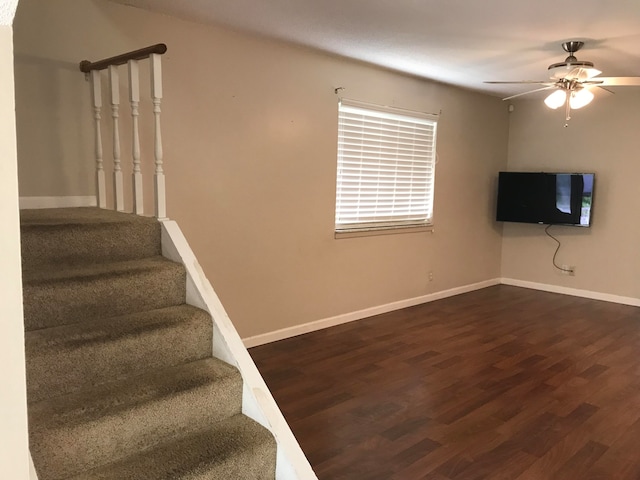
{"x": 462, "y": 42}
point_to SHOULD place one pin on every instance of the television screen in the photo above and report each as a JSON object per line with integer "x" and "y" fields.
{"x": 553, "y": 198}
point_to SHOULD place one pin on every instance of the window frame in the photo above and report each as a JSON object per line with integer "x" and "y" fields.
{"x": 374, "y": 116}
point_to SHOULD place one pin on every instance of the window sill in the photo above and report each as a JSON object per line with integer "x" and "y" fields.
{"x": 382, "y": 231}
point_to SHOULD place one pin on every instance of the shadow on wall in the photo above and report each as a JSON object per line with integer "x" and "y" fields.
{"x": 53, "y": 123}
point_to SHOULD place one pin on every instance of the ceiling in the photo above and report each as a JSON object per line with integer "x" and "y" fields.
{"x": 461, "y": 42}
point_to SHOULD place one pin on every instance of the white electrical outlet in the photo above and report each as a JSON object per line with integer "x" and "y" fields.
{"x": 569, "y": 270}
{"x": 430, "y": 276}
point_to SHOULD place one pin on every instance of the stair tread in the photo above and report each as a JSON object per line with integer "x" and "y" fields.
{"x": 76, "y": 216}
{"x": 80, "y": 272}
{"x": 66, "y": 236}
{"x": 65, "y": 358}
{"x": 74, "y": 293}
{"x": 199, "y": 456}
{"x": 133, "y": 392}
{"x": 85, "y": 429}
{"x": 102, "y": 330}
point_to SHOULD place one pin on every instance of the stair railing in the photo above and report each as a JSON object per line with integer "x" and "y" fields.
{"x": 92, "y": 73}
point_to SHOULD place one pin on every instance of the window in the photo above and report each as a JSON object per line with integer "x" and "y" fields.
{"x": 386, "y": 163}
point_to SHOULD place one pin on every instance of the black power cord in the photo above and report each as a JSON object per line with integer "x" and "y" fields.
{"x": 564, "y": 270}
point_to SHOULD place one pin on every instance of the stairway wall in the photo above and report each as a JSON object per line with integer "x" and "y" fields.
{"x": 257, "y": 401}
{"x": 14, "y": 453}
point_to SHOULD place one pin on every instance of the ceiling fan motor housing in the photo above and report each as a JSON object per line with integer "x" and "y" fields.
{"x": 572, "y": 47}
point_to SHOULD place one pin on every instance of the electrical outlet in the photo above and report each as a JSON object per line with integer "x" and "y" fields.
{"x": 569, "y": 270}
{"x": 430, "y": 276}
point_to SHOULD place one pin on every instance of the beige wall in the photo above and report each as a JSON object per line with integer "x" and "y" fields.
{"x": 250, "y": 130}
{"x": 602, "y": 138}
{"x": 14, "y": 458}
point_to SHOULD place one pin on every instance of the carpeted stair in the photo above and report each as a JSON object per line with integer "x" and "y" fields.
{"x": 121, "y": 381}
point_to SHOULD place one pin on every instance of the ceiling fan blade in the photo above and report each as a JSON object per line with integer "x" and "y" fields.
{"x": 530, "y": 91}
{"x": 579, "y": 73}
{"x": 575, "y": 73}
{"x": 539, "y": 82}
{"x": 585, "y": 73}
{"x": 618, "y": 81}
{"x": 606, "y": 89}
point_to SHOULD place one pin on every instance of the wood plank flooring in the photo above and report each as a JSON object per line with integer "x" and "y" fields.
{"x": 501, "y": 383}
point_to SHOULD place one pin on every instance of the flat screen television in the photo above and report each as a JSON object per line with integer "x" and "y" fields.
{"x": 545, "y": 198}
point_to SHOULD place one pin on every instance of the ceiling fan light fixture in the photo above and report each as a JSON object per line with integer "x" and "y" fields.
{"x": 556, "y": 99}
{"x": 572, "y": 82}
{"x": 581, "y": 98}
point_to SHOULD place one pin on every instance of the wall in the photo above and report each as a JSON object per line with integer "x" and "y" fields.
{"x": 250, "y": 130}
{"x": 601, "y": 138}
{"x": 14, "y": 458}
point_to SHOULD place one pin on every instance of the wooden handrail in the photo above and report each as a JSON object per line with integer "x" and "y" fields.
{"x": 86, "y": 66}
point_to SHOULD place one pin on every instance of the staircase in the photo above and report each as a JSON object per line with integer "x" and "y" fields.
{"x": 121, "y": 381}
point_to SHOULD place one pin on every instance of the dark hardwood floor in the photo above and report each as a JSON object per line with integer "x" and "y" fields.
{"x": 501, "y": 383}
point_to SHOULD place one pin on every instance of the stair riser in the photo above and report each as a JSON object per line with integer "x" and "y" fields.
{"x": 75, "y": 300}
{"x": 61, "y": 369}
{"x": 69, "y": 450}
{"x": 237, "y": 451}
{"x": 255, "y": 464}
{"x": 91, "y": 242}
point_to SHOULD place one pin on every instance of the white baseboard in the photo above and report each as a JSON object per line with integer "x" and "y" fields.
{"x": 389, "y": 307}
{"x": 57, "y": 202}
{"x": 360, "y": 314}
{"x": 576, "y": 292}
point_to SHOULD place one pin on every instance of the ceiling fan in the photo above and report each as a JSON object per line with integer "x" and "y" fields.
{"x": 572, "y": 81}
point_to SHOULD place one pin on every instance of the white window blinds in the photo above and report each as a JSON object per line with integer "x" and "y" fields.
{"x": 386, "y": 163}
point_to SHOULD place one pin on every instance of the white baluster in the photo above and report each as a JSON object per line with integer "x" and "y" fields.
{"x": 156, "y": 95}
{"x": 114, "y": 87}
{"x": 96, "y": 96}
{"x": 134, "y": 98}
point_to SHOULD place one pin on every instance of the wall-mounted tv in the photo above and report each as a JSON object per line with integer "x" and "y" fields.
{"x": 546, "y": 198}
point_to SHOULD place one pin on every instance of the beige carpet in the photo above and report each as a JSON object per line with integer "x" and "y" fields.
{"x": 120, "y": 379}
